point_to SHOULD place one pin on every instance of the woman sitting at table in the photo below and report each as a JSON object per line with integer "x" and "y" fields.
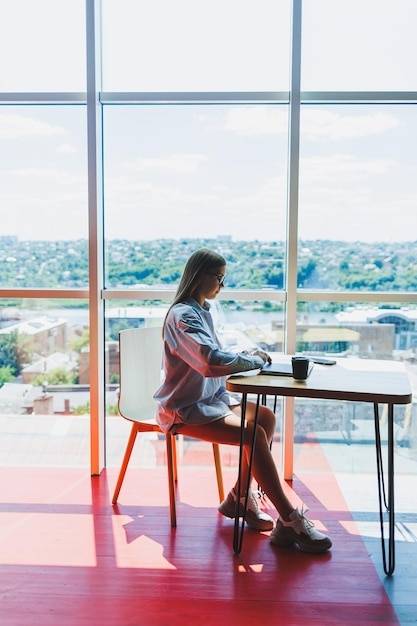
{"x": 193, "y": 401}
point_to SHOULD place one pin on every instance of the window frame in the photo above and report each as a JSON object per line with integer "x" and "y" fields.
{"x": 94, "y": 100}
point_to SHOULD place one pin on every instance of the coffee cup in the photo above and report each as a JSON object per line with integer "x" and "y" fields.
{"x": 300, "y": 367}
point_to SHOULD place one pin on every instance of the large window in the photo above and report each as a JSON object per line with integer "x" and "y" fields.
{"x": 178, "y": 172}
{"x": 352, "y": 45}
{"x": 214, "y": 46}
{"x": 44, "y": 382}
{"x": 357, "y": 170}
{"x": 43, "y": 195}
{"x": 134, "y": 132}
{"x": 44, "y": 44}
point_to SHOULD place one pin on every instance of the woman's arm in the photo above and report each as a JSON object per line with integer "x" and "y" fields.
{"x": 191, "y": 340}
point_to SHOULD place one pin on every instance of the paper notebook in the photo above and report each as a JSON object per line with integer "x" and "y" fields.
{"x": 282, "y": 369}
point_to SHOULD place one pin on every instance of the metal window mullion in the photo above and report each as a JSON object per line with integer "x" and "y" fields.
{"x": 292, "y": 228}
{"x": 356, "y": 296}
{"x": 95, "y": 240}
{"x": 168, "y": 294}
{"x": 29, "y": 293}
{"x": 198, "y": 97}
{"x": 360, "y": 97}
{"x": 62, "y": 97}
{"x": 230, "y": 294}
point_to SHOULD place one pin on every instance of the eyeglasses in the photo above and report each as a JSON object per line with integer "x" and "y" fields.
{"x": 220, "y": 278}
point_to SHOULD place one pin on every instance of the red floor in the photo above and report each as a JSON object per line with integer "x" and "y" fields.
{"x": 68, "y": 557}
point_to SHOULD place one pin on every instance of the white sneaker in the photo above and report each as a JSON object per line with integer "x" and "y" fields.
{"x": 300, "y": 531}
{"x": 254, "y": 517}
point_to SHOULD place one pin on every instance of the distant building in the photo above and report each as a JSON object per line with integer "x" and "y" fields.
{"x": 328, "y": 339}
{"x": 363, "y": 332}
{"x": 14, "y": 398}
{"x": 44, "y": 335}
{"x": 8, "y": 240}
{"x": 45, "y": 365}
{"x": 403, "y": 321}
{"x": 118, "y": 318}
{"x": 111, "y": 363}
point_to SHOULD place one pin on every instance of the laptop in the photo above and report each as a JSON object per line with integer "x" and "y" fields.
{"x": 283, "y": 368}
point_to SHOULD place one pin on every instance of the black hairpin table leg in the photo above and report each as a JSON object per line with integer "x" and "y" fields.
{"x": 239, "y": 525}
{"x": 383, "y": 501}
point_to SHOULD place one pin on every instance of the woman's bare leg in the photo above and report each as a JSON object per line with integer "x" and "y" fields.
{"x": 227, "y": 431}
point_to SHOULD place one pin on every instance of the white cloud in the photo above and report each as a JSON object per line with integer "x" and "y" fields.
{"x": 66, "y": 148}
{"x": 173, "y": 163}
{"x": 33, "y": 175}
{"x": 340, "y": 167}
{"x": 178, "y": 212}
{"x": 343, "y": 197}
{"x": 319, "y": 125}
{"x": 257, "y": 120}
{"x": 316, "y": 124}
{"x": 20, "y": 126}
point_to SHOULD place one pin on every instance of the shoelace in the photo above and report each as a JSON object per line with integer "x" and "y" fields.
{"x": 253, "y": 498}
{"x": 303, "y": 519}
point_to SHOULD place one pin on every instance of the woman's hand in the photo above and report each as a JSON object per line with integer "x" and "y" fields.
{"x": 264, "y": 355}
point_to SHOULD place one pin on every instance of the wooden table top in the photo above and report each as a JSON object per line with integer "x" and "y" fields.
{"x": 360, "y": 380}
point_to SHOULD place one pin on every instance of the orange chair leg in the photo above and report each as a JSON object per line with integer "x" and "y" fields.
{"x": 219, "y": 474}
{"x": 171, "y": 478}
{"x": 174, "y": 457}
{"x": 126, "y": 458}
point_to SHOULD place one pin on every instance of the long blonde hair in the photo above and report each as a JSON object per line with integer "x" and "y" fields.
{"x": 198, "y": 263}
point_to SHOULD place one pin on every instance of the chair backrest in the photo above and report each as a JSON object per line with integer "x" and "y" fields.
{"x": 140, "y": 354}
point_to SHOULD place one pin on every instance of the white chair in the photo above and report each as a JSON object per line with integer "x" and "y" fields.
{"x": 140, "y": 357}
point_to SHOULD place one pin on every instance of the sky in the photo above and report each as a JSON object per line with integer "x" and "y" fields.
{"x": 212, "y": 170}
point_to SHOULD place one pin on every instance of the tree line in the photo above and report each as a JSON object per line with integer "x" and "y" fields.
{"x": 331, "y": 265}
